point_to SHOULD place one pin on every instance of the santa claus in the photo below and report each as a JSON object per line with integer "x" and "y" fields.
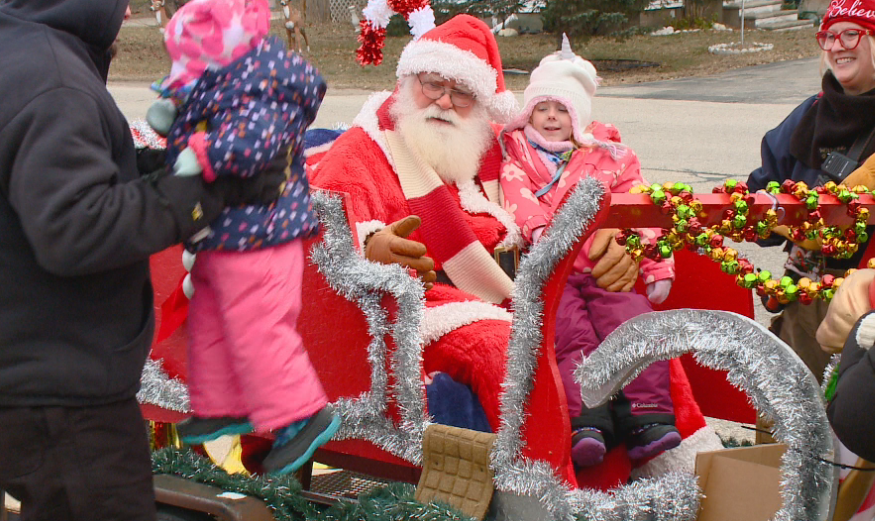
{"x": 422, "y": 164}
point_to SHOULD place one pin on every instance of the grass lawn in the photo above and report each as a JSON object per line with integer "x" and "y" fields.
{"x": 142, "y": 56}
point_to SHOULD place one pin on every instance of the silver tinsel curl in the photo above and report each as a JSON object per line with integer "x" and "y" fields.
{"x": 365, "y": 283}
{"x": 828, "y": 371}
{"x": 774, "y": 378}
{"x": 157, "y": 388}
{"x": 672, "y": 497}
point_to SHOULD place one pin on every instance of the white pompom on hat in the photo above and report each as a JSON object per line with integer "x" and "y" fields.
{"x": 568, "y": 79}
{"x": 463, "y": 49}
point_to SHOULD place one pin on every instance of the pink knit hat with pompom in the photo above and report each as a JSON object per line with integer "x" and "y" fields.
{"x": 210, "y": 34}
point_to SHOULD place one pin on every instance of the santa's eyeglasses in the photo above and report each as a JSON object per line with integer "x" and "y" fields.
{"x": 849, "y": 39}
{"x": 435, "y": 91}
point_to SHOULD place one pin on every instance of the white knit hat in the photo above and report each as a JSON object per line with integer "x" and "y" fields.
{"x": 567, "y": 78}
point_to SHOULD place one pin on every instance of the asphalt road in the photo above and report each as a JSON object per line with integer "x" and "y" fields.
{"x": 695, "y": 130}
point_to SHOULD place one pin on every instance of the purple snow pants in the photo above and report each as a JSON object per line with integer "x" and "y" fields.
{"x": 587, "y": 314}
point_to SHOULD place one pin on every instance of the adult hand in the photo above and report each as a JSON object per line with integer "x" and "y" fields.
{"x": 657, "y": 291}
{"x": 262, "y": 189}
{"x": 849, "y": 303}
{"x": 391, "y": 246}
{"x": 614, "y": 270}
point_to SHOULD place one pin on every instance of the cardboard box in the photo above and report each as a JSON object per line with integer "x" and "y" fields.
{"x": 740, "y": 484}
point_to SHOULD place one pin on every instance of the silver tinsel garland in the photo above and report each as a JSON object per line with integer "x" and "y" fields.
{"x": 157, "y": 388}
{"x": 757, "y": 362}
{"x": 365, "y": 283}
{"x": 672, "y": 497}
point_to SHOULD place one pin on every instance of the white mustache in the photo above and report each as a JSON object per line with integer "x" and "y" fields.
{"x": 433, "y": 111}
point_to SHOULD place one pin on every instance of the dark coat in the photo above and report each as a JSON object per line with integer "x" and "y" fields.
{"x": 851, "y": 412}
{"x": 779, "y": 164}
{"x": 77, "y": 223}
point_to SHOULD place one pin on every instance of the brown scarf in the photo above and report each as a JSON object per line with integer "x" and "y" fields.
{"x": 833, "y": 123}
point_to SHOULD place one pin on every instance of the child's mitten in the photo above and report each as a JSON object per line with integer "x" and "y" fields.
{"x": 863, "y": 175}
{"x": 657, "y": 291}
{"x": 186, "y": 164}
{"x": 160, "y": 116}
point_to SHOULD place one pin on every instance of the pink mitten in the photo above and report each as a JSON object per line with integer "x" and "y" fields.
{"x": 657, "y": 291}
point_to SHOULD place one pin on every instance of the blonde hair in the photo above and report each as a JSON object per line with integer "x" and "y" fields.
{"x": 824, "y": 63}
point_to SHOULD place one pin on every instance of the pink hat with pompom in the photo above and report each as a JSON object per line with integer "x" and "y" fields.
{"x": 210, "y": 34}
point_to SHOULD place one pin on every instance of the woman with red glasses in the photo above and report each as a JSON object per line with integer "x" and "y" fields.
{"x": 816, "y": 144}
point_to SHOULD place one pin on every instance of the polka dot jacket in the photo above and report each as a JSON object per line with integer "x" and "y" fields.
{"x": 251, "y": 110}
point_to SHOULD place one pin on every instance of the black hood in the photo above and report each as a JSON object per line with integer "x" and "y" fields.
{"x": 95, "y": 22}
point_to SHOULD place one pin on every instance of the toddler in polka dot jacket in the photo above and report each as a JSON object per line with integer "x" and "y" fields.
{"x": 233, "y": 101}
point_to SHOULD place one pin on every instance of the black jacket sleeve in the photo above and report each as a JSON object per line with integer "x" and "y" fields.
{"x": 851, "y": 410}
{"x": 81, "y": 211}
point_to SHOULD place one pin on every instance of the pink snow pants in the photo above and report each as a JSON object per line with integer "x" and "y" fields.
{"x": 245, "y": 356}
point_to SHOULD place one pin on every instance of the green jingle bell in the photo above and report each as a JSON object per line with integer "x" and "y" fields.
{"x": 762, "y": 228}
{"x": 730, "y": 184}
{"x": 749, "y": 281}
{"x": 685, "y": 212}
{"x": 741, "y": 207}
{"x": 785, "y": 282}
{"x": 863, "y": 237}
{"x": 773, "y": 187}
{"x": 658, "y": 197}
{"x": 682, "y": 225}
{"x": 729, "y": 267}
{"x": 764, "y": 276}
{"x": 791, "y": 292}
{"x": 811, "y": 202}
{"x": 827, "y": 294}
{"x": 739, "y": 222}
{"x": 665, "y": 250}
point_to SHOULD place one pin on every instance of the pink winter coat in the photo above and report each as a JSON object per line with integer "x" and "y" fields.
{"x": 523, "y": 173}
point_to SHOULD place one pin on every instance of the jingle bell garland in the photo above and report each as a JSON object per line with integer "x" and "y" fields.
{"x": 687, "y": 230}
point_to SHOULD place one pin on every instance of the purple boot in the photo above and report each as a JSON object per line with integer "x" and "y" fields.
{"x": 651, "y": 440}
{"x": 587, "y": 447}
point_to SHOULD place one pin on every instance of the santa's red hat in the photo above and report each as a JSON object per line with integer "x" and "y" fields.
{"x": 463, "y": 49}
{"x": 860, "y": 12}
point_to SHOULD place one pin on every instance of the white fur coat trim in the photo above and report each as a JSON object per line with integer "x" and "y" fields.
{"x": 440, "y": 320}
{"x": 368, "y": 121}
{"x": 363, "y": 229}
{"x": 473, "y": 201}
{"x": 866, "y": 332}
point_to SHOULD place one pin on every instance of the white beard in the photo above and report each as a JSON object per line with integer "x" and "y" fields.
{"x": 453, "y": 150}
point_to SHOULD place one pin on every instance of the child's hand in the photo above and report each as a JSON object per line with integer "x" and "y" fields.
{"x": 657, "y": 291}
{"x": 186, "y": 164}
{"x": 160, "y": 116}
{"x": 536, "y": 234}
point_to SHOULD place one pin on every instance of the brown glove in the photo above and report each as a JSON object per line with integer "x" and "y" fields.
{"x": 390, "y": 246}
{"x": 615, "y": 269}
{"x": 863, "y": 175}
{"x": 850, "y": 302}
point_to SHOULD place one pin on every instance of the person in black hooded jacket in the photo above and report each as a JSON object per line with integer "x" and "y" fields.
{"x": 78, "y": 221}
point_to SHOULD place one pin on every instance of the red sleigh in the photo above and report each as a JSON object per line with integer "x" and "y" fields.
{"x": 335, "y": 332}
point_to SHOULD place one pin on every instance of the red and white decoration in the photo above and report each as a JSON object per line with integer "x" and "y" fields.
{"x": 372, "y": 36}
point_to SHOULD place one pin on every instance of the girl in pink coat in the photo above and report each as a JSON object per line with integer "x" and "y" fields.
{"x": 550, "y": 146}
